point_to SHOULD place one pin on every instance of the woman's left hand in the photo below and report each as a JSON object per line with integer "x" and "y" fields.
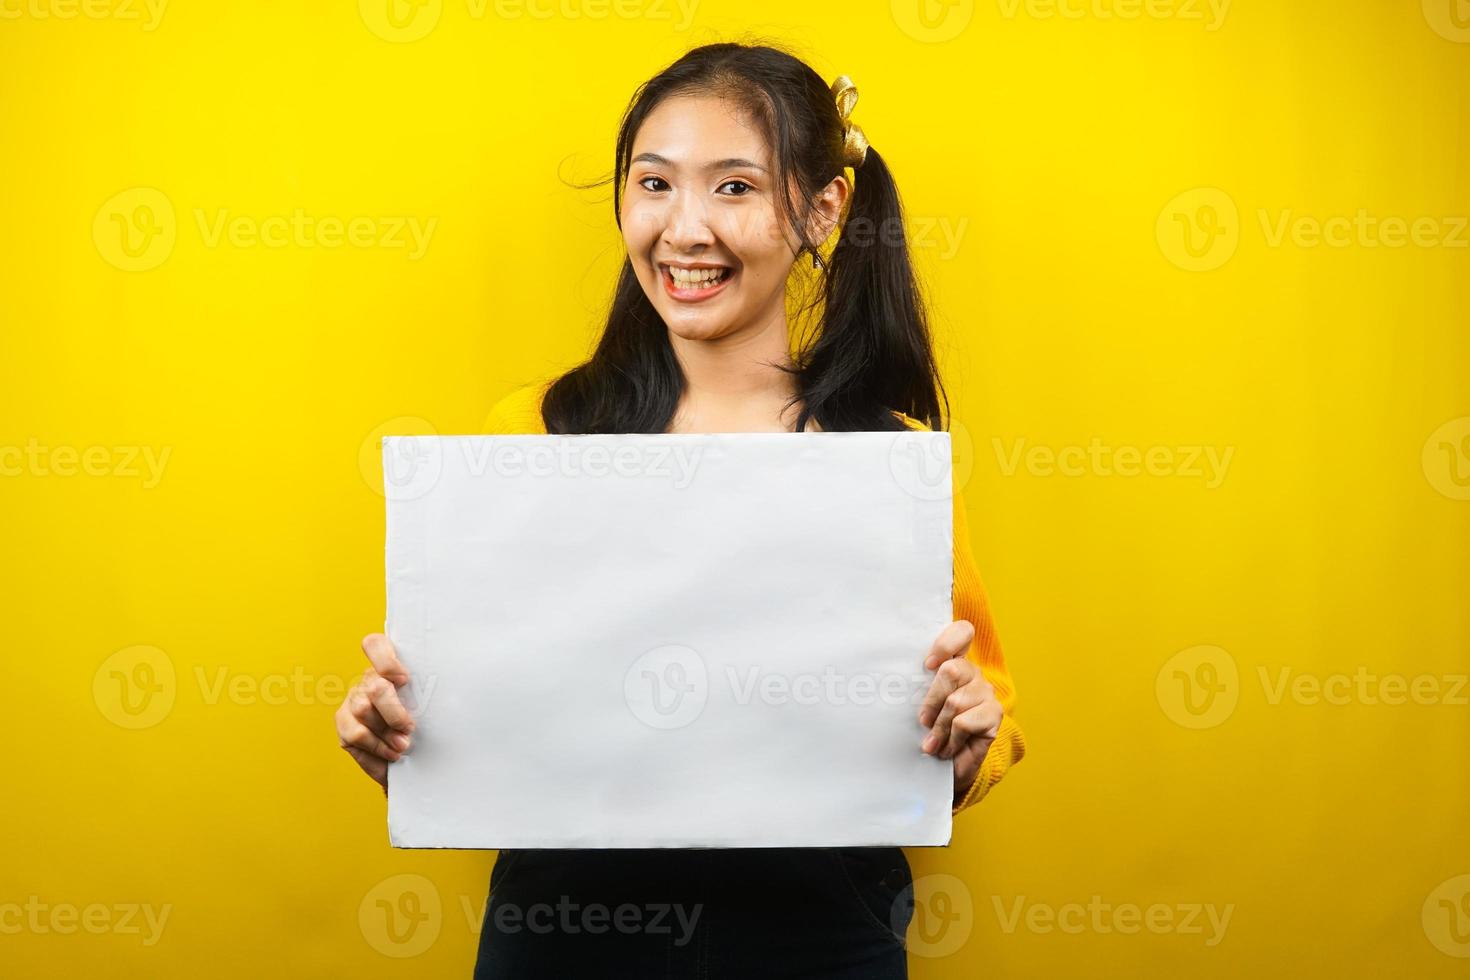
{"x": 960, "y": 710}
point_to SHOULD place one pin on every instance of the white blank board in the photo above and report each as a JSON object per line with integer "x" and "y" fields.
{"x": 675, "y": 640}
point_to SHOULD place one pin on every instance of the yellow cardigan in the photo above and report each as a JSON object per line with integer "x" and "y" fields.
{"x": 519, "y": 413}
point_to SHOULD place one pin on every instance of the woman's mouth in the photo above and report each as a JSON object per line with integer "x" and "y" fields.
{"x": 694, "y": 285}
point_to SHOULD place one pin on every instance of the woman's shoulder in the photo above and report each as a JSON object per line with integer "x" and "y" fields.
{"x": 518, "y": 413}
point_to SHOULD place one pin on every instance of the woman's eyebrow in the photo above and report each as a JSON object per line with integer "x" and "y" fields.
{"x": 729, "y": 163}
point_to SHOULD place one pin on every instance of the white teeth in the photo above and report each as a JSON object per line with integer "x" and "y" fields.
{"x": 694, "y": 277}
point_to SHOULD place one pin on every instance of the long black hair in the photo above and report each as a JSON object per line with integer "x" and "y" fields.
{"x": 870, "y": 353}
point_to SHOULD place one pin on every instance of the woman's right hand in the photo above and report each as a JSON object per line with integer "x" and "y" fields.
{"x": 372, "y": 723}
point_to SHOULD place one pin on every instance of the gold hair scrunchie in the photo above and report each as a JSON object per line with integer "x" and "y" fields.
{"x": 854, "y": 142}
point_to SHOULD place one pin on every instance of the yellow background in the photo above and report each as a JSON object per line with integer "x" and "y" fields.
{"x": 1065, "y": 152}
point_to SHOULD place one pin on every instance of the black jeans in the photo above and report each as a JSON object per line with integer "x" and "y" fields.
{"x": 698, "y": 913}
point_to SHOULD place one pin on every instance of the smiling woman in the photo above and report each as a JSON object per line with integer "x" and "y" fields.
{"x": 731, "y": 164}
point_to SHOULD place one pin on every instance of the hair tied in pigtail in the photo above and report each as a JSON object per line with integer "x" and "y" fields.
{"x": 854, "y": 142}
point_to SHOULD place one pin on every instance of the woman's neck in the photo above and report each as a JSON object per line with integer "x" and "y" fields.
{"x": 732, "y": 384}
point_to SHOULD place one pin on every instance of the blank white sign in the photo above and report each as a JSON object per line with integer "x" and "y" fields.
{"x": 672, "y": 640}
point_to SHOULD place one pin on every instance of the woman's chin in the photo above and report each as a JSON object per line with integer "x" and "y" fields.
{"x": 696, "y": 326}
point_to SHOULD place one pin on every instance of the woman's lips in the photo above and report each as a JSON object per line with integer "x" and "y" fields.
{"x": 691, "y": 294}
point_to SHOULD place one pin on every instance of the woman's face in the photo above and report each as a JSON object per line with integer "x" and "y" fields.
{"x": 699, "y": 217}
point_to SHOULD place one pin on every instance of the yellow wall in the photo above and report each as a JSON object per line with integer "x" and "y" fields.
{"x": 211, "y": 396}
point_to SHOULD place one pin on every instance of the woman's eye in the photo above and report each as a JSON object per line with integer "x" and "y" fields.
{"x": 658, "y": 184}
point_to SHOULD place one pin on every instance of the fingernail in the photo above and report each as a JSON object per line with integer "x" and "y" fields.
{"x": 930, "y": 742}
{"x": 400, "y": 741}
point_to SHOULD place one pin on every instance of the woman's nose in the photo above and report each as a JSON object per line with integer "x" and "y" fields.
{"x": 687, "y": 223}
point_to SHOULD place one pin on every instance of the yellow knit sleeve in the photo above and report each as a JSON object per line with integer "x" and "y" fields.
{"x": 518, "y": 413}
{"x": 971, "y": 603}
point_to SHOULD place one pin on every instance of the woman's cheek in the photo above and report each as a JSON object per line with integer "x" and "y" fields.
{"x": 640, "y": 230}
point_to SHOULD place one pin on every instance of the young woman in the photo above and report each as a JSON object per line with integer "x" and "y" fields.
{"x": 731, "y": 165}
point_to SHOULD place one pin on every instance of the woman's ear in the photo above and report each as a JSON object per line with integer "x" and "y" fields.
{"x": 827, "y": 209}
